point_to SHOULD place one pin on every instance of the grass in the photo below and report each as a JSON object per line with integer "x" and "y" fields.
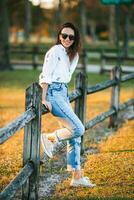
{"x": 21, "y": 79}
{"x": 111, "y": 171}
{"x": 91, "y": 198}
{"x": 18, "y": 79}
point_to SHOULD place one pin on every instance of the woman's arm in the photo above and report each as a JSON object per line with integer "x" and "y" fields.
{"x": 45, "y": 77}
{"x": 44, "y": 92}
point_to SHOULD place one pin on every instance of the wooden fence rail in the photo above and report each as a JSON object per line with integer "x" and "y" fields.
{"x": 107, "y": 114}
{"x": 31, "y": 121}
{"x": 30, "y": 55}
{"x": 108, "y": 83}
{"x": 33, "y": 56}
{"x": 14, "y": 185}
{"x": 16, "y": 125}
{"x": 107, "y": 57}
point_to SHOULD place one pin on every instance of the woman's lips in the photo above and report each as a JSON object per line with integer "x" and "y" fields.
{"x": 67, "y": 43}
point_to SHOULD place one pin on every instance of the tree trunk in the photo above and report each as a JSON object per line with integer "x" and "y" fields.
{"x": 28, "y": 19}
{"x": 126, "y": 29}
{"x": 92, "y": 25}
{"x": 112, "y": 24}
{"x": 83, "y": 19}
{"x": 4, "y": 33}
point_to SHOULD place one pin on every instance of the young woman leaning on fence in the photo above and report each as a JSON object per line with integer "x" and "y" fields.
{"x": 59, "y": 65}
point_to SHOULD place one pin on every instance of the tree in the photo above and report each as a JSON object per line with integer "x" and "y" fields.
{"x": 4, "y": 32}
{"x": 83, "y": 19}
{"x": 28, "y": 20}
{"x": 112, "y": 24}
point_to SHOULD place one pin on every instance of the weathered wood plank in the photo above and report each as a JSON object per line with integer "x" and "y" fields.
{"x": 80, "y": 103}
{"x": 99, "y": 118}
{"x": 115, "y": 96}
{"x": 107, "y": 114}
{"x": 15, "y": 184}
{"x": 35, "y": 143}
{"x": 16, "y": 125}
{"x": 108, "y": 83}
{"x": 75, "y": 95}
{"x": 32, "y": 142}
{"x": 27, "y": 141}
{"x": 109, "y": 57}
{"x": 126, "y": 104}
{"x": 101, "y": 86}
{"x": 127, "y": 77}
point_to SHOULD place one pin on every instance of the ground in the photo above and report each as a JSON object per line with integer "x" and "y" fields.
{"x": 108, "y": 164}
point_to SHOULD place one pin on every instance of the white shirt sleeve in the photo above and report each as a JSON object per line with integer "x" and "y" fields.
{"x": 48, "y": 67}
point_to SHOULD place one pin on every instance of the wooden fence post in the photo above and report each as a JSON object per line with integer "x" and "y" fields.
{"x": 80, "y": 103}
{"x": 103, "y": 63}
{"x": 115, "y": 96}
{"x": 35, "y": 57}
{"x": 32, "y": 142}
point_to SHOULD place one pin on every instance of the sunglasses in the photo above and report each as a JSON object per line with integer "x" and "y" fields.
{"x": 64, "y": 36}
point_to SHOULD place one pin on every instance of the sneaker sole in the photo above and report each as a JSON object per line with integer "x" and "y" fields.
{"x": 45, "y": 148}
{"x": 80, "y": 185}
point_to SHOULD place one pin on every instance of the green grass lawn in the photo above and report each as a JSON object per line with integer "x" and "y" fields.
{"x": 23, "y": 78}
{"x": 18, "y": 78}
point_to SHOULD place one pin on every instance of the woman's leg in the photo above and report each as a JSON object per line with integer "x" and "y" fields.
{"x": 73, "y": 154}
{"x": 73, "y": 147}
{"x": 72, "y": 129}
{"x": 72, "y": 126}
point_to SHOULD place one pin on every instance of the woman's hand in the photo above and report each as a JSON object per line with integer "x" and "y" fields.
{"x": 47, "y": 104}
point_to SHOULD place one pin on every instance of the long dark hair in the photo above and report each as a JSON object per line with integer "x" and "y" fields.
{"x": 75, "y": 47}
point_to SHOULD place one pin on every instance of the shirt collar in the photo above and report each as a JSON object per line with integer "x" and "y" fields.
{"x": 63, "y": 48}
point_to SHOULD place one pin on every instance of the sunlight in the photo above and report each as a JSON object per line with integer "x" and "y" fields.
{"x": 47, "y": 4}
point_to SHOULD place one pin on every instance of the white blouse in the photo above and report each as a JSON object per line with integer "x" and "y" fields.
{"x": 57, "y": 66}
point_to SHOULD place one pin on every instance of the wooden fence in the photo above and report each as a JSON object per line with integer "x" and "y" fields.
{"x": 33, "y": 56}
{"x": 28, "y": 177}
{"x": 115, "y": 58}
{"x": 27, "y": 56}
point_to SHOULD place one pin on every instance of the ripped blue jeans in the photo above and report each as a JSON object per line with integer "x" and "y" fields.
{"x": 72, "y": 128}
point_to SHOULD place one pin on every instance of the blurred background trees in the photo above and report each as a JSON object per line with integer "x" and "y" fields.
{"x": 36, "y": 21}
{"x": 4, "y": 34}
{"x": 96, "y": 20}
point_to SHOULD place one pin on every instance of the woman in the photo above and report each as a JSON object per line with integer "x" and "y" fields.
{"x": 59, "y": 65}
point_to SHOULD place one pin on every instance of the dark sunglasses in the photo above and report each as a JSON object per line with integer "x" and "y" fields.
{"x": 64, "y": 36}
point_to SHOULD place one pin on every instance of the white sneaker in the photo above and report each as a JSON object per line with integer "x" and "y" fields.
{"x": 47, "y": 145}
{"x": 84, "y": 181}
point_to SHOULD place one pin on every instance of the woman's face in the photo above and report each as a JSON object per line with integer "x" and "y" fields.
{"x": 67, "y": 37}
